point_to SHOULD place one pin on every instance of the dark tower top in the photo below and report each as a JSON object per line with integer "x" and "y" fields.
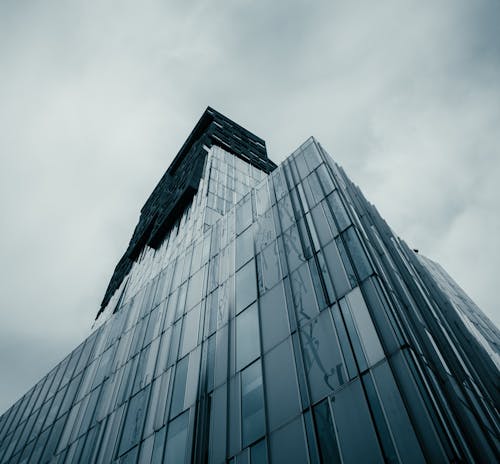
{"x": 180, "y": 183}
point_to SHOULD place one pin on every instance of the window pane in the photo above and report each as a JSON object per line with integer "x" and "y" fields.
{"x": 190, "y": 331}
{"x": 258, "y": 453}
{"x": 246, "y": 286}
{"x": 327, "y": 440}
{"x": 179, "y": 387}
{"x": 244, "y": 247}
{"x": 336, "y": 269}
{"x": 288, "y": 444}
{"x": 322, "y": 358}
{"x": 269, "y": 267}
{"x": 357, "y": 437}
{"x": 281, "y": 385}
{"x": 366, "y": 329}
{"x": 338, "y": 210}
{"x": 158, "y": 446}
{"x": 293, "y": 248}
{"x": 247, "y": 337}
{"x": 134, "y": 420}
{"x": 274, "y": 317}
{"x": 303, "y": 295}
{"x": 252, "y": 403}
{"x": 175, "y": 451}
{"x": 243, "y": 214}
{"x": 357, "y": 253}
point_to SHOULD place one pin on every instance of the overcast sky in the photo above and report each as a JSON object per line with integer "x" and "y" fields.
{"x": 97, "y": 97}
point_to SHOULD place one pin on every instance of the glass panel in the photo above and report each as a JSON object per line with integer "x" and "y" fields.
{"x": 293, "y": 248}
{"x": 246, "y": 286}
{"x": 388, "y": 449}
{"x": 195, "y": 289}
{"x": 358, "y": 254}
{"x": 354, "y": 426}
{"x": 303, "y": 294}
{"x": 397, "y": 417}
{"x": 281, "y": 385}
{"x": 336, "y": 268}
{"x": 322, "y": 358}
{"x": 338, "y": 210}
{"x": 179, "y": 387}
{"x": 218, "y": 417}
{"x": 258, "y": 453}
{"x": 244, "y": 247}
{"x": 247, "y": 337}
{"x": 190, "y": 331}
{"x": 366, "y": 329}
{"x": 274, "y": 317}
{"x": 134, "y": 421}
{"x": 288, "y": 444}
{"x": 176, "y": 451}
{"x": 243, "y": 214}
{"x": 327, "y": 440}
{"x": 268, "y": 267}
{"x": 353, "y": 335}
{"x": 344, "y": 342}
{"x": 264, "y": 230}
{"x": 252, "y": 403}
{"x": 158, "y": 446}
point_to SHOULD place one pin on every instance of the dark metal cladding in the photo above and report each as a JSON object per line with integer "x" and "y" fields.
{"x": 180, "y": 182}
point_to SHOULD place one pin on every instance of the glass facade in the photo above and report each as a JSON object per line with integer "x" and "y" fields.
{"x": 280, "y": 321}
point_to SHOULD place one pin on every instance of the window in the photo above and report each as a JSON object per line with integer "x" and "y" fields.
{"x": 252, "y": 403}
{"x": 247, "y": 337}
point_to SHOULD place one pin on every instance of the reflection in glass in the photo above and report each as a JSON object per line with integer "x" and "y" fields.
{"x": 176, "y": 449}
{"x": 252, "y": 403}
{"x": 246, "y": 286}
{"x": 247, "y": 337}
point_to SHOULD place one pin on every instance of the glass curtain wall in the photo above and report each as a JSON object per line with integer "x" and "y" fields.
{"x": 277, "y": 324}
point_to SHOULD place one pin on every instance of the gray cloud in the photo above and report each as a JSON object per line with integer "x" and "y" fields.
{"x": 96, "y": 99}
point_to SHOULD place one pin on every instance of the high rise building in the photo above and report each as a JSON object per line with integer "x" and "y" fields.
{"x": 267, "y": 314}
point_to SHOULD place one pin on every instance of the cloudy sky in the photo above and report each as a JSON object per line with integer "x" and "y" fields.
{"x": 97, "y": 97}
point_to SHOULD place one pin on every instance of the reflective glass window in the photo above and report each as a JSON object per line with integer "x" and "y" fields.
{"x": 369, "y": 338}
{"x": 179, "y": 390}
{"x": 288, "y": 444}
{"x": 243, "y": 214}
{"x": 247, "y": 336}
{"x": 282, "y": 392}
{"x": 338, "y": 210}
{"x": 358, "y": 254}
{"x": 176, "y": 448}
{"x": 327, "y": 439}
{"x": 134, "y": 421}
{"x": 244, "y": 247}
{"x": 195, "y": 288}
{"x": 190, "y": 331}
{"x": 258, "y": 453}
{"x": 336, "y": 268}
{"x": 268, "y": 262}
{"x": 159, "y": 444}
{"x": 285, "y": 210}
{"x": 252, "y": 403}
{"x": 354, "y": 426}
{"x": 246, "y": 286}
{"x": 322, "y": 358}
{"x": 303, "y": 294}
{"x": 274, "y": 317}
{"x": 293, "y": 248}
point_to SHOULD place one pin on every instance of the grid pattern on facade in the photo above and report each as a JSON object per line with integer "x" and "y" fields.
{"x": 280, "y": 321}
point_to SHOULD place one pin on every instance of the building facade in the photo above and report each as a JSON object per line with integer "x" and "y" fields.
{"x": 267, "y": 314}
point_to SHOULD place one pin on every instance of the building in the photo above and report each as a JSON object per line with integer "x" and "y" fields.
{"x": 267, "y": 314}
